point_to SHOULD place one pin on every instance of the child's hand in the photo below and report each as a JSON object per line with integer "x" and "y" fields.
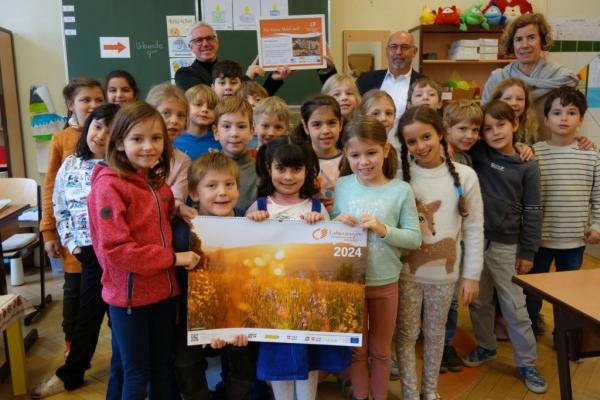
{"x": 52, "y": 248}
{"x": 312, "y": 217}
{"x": 254, "y": 70}
{"x": 186, "y": 212}
{"x": 217, "y": 343}
{"x": 523, "y": 266}
{"x": 348, "y": 220}
{"x": 369, "y": 222}
{"x": 585, "y": 143}
{"x": 281, "y": 73}
{"x": 187, "y": 259}
{"x": 469, "y": 291}
{"x": 591, "y": 236}
{"x": 258, "y": 215}
{"x": 525, "y": 152}
{"x": 238, "y": 341}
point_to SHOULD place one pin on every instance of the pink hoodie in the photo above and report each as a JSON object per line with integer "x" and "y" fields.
{"x": 131, "y": 234}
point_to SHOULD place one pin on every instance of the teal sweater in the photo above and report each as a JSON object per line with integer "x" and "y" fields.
{"x": 393, "y": 204}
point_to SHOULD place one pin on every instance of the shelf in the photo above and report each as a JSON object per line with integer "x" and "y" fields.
{"x": 454, "y": 29}
{"x": 508, "y": 61}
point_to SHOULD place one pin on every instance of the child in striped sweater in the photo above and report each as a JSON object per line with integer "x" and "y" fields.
{"x": 569, "y": 176}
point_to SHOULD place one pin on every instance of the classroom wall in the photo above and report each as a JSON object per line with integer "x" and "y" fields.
{"x": 36, "y": 26}
{"x": 37, "y": 36}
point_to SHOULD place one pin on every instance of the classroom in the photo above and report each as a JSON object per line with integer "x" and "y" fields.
{"x": 440, "y": 158}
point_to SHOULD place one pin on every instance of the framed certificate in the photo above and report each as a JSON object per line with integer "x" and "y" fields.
{"x": 296, "y": 41}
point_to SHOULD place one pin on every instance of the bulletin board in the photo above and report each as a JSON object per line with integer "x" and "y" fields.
{"x": 145, "y": 26}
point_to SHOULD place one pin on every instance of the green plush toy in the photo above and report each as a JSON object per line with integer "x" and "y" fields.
{"x": 473, "y": 16}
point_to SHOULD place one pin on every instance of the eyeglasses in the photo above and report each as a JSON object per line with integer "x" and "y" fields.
{"x": 402, "y": 47}
{"x": 200, "y": 40}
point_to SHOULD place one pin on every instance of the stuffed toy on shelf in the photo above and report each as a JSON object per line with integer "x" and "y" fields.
{"x": 427, "y": 16}
{"x": 473, "y": 16}
{"x": 447, "y": 16}
{"x": 493, "y": 14}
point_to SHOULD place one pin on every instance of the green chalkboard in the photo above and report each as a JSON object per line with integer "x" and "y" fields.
{"x": 144, "y": 23}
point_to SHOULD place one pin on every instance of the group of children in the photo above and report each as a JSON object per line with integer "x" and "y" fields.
{"x": 452, "y": 205}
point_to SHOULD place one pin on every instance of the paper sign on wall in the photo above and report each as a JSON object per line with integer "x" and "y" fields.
{"x": 218, "y": 13}
{"x": 273, "y": 8}
{"x": 245, "y": 14}
{"x": 114, "y": 47}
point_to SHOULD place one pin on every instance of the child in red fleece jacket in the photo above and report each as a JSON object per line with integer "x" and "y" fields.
{"x": 130, "y": 208}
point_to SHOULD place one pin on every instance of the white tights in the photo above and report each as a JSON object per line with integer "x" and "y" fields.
{"x": 305, "y": 389}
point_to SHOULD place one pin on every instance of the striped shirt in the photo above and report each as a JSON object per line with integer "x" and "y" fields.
{"x": 570, "y": 180}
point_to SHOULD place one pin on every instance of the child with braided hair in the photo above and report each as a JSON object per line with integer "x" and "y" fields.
{"x": 450, "y": 208}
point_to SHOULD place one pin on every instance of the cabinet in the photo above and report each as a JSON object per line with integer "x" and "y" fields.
{"x": 437, "y": 39}
{"x": 12, "y": 159}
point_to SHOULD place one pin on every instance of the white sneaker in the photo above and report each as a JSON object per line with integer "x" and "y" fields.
{"x": 48, "y": 387}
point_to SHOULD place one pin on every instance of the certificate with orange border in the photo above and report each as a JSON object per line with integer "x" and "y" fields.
{"x": 296, "y": 41}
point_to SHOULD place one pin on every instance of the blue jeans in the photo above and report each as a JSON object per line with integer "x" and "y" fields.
{"x": 564, "y": 260}
{"x": 145, "y": 344}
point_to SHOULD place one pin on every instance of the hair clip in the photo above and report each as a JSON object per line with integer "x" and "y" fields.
{"x": 459, "y": 191}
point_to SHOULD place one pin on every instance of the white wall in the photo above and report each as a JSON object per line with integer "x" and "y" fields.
{"x": 37, "y": 35}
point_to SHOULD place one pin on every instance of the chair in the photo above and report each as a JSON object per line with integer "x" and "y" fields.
{"x": 24, "y": 191}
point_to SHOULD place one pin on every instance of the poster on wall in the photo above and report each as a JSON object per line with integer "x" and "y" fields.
{"x": 180, "y": 55}
{"x": 218, "y": 13}
{"x": 273, "y": 8}
{"x": 295, "y": 41}
{"x": 593, "y": 84}
{"x": 245, "y": 14}
{"x": 277, "y": 281}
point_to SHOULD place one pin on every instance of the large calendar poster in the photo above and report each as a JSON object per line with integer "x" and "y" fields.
{"x": 277, "y": 281}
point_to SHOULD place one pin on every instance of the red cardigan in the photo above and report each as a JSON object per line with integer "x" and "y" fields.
{"x": 131, "y": 234}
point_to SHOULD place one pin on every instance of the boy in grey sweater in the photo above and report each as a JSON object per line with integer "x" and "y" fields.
{"x": 512, "y": 227}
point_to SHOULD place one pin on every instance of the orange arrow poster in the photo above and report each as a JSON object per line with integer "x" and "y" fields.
{"x": 114, "y": 47}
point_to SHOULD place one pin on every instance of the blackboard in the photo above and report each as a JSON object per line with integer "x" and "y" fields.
{"x": 144, "y": 22}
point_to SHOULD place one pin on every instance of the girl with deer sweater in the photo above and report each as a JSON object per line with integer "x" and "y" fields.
{"x": 450, "y": 209}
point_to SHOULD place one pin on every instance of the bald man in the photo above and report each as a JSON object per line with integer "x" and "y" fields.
{"x": 396, "y": 80}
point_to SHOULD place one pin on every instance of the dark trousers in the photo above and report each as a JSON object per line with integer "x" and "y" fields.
{"x": 564, "y": 260}
{"x": 144, "y": 339}
{"x": 238, "y": 370}
{"x": 89, "y": 320}
{"x": 71, "y": 289}
{"x": 238, "y": 367}
{"x": 190, "y": 363}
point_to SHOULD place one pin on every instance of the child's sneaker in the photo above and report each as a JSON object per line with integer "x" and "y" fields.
{"x": 395, "y": 370}
{"x": 453, "y": 362}
{"x": 478, "y": 357}
{"x": 48, "y": 388}
{"x": 533, "y": 379}
{"x": 431, "y": 396}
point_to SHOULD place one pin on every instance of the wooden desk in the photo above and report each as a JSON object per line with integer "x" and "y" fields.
{"x": 12, "y": 308}
{"x": 8, "y": 214}
{"x": 575, "y": 298}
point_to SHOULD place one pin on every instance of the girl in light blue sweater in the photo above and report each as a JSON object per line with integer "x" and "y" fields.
{"x": 368, "y": 195}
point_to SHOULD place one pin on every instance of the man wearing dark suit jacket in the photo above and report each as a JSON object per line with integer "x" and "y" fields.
{"x": 396, "y": 80}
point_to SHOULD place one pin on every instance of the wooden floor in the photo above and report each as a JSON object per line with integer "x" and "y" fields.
{"x": 495, "y": 380}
